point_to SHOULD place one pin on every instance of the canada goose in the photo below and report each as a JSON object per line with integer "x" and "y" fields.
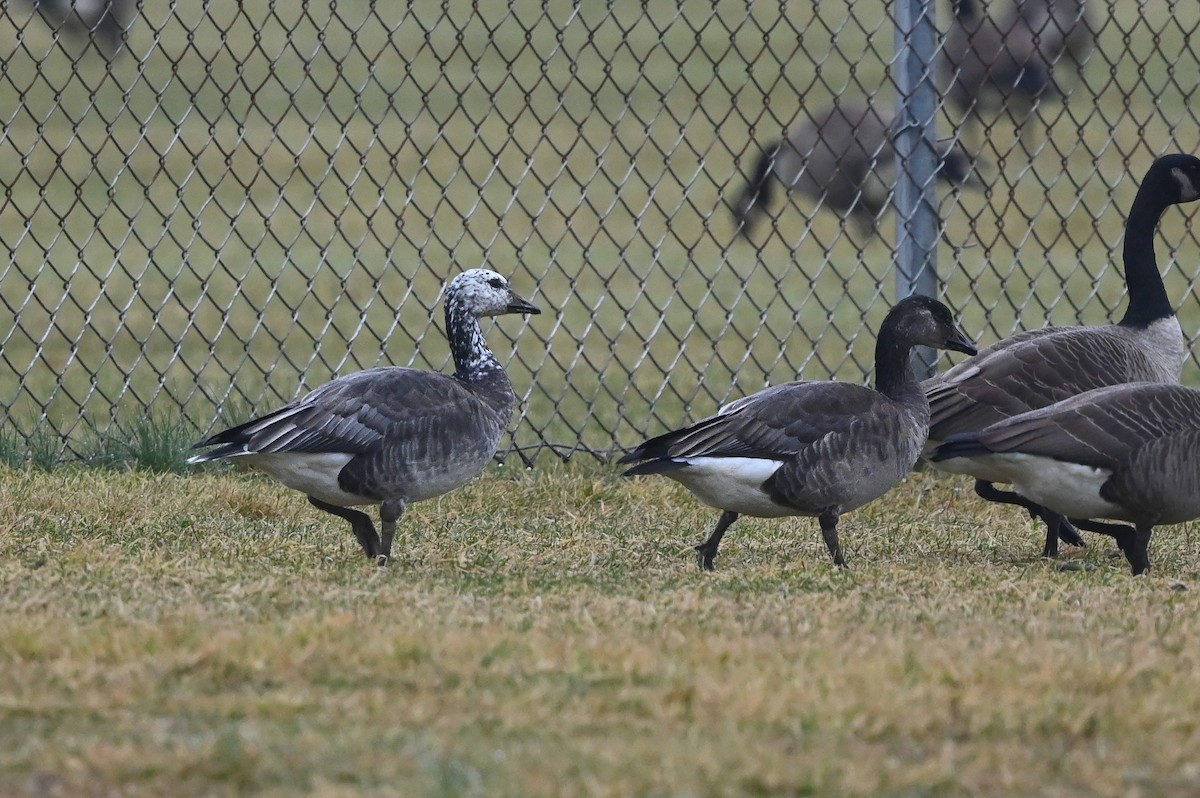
{"x": 810, "y": 448}
{"x": 844, "y": 157}
{"x": 986, "y": 67}
{"x": 391, "y": 436}
{"x": 1061, "y": 30}
{"x": 102, "y": 22}
{"x": 1126, "y": 452}
{"x": 1036, "y": 368}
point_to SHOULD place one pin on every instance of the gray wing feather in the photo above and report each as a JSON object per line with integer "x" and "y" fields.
{"x": 779, "y": 421}
{"x": 354, "y": 414}
{"x": 1035, "y": 372}
{"x": 1101, "y": 427}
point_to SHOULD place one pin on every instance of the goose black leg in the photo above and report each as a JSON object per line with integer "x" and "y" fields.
{"x": 390, "y": 511}
{"x": 707, "y": 551}
{"x": 364, "y": 530}
{"x": 829, "y": 522}
{"x": 1133, "y": 542}
{"x": 1057, "y": 527}
{"x": 1141, "y": 544}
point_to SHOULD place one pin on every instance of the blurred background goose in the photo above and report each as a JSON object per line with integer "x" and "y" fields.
{"x": 810, "y": 448}
{"x": 992, "y": 69}
{"x": 391, "y": 436}
{"x": 1036, "y": 368}
{"x": 1126, "y": 452}
{"x": 104, "y": 23}
{"x": 1062, "y": 31}
{"x": 844, "y": 158}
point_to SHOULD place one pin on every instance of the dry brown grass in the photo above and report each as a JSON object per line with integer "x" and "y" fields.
{"x": 547, "y": 633}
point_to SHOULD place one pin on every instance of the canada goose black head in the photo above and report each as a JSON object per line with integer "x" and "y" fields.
{"x": 924, "y": 321}
{"x": 1183, "y": 171}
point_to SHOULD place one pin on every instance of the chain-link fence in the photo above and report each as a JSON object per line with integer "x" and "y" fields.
{"x": 209, "y": 206}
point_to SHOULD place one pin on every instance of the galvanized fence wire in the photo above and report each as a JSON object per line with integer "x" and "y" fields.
{"x": 210, "y": 207}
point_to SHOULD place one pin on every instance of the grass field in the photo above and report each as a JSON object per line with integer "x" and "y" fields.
{"x": 546, "y": 633}
{"x": 271, "y": 194}
{"x": 266, "y": 196}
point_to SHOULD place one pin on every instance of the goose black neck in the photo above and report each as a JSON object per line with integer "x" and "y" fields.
{"x": 473, "y": 361}
{"x": 894, "y": 377}
{"x": 1148, "y": 300}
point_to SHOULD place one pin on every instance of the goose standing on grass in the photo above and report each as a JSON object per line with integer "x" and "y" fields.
{"x": 986, "y": 67}
{"x": 1062, "y": 30}
{"x": 391, "y": 436}
{"x": 1036, "y": 368}
{"x": 845, "y": 157}
{"x": 810, "y": 448}
{"x": 1127, "y": 452}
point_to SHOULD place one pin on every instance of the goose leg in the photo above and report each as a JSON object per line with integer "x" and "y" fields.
{"x": 390, "y": 511}
{"x": 364, "y": 530}
{"x": 1057, "y": 527}
{"x": 829, "y": 522}
{"x": 1132, "y": 542}
{"x": 707, "y": 550}
{"x": 1141, "y": 542}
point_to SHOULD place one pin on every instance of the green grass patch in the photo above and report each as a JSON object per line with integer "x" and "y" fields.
{"x": 159, "y": 442}
{"x": 547, "y": 633}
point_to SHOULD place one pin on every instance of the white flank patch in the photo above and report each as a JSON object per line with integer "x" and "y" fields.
{"x": 311, "y": 474}
{"x": 1067, "y": 488}
{"x": 732, "y": 483}
{"x": 984, "y": 466}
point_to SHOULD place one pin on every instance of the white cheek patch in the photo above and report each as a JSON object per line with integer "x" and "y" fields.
{"x": 1186, "y": 188}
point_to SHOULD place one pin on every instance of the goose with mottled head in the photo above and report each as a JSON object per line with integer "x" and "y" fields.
{"x": 391, "y": 436}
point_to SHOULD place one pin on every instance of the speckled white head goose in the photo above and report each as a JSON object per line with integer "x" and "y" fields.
{"x": 1036, "y": 368}
{"x": 1125, "y": 452}
{"x": 845, "y": 157}
{"x": 391, "y": 436}
{"x": 810, "y": 448}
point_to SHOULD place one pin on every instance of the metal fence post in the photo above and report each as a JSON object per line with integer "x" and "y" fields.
{"x": 917, "y": 220}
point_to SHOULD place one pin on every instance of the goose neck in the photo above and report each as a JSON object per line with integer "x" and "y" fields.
{"x": 1148, "y": 300}
{"x": 473, "y": 361}
{"x": 894, "y": 377}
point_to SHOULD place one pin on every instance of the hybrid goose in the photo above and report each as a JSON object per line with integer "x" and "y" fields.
{"x": 1036, "y": 368}
{"x": 810, "y": 448}
{"x": 391, "y": 436}
{"x": 1125, "y": 452}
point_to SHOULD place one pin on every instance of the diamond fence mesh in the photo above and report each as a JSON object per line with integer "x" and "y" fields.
{"x": 209, "y": 207}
